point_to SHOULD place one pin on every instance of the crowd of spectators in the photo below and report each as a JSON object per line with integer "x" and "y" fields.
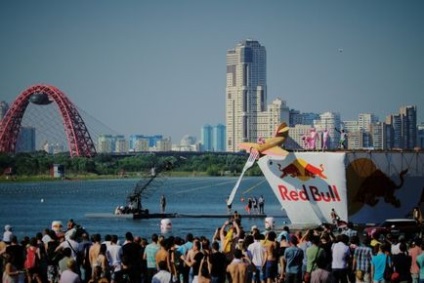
{"x": 233, "y": 254}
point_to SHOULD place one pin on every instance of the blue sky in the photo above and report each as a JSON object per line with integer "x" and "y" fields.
{"x": 158, "y": 67}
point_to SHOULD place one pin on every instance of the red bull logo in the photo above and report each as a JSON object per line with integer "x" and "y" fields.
{"x": 302, "y": 170}
{"x": 309, "y": 193}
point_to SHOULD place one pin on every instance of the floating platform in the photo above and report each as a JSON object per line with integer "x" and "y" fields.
{"x": 169, "y": 215}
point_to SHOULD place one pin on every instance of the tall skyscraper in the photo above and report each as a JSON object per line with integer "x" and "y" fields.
{"x": 409, "y": 126}
{"x": 206, "y": 136}
{"x": 246, "y": 92}
{"x": 218, "y": 140}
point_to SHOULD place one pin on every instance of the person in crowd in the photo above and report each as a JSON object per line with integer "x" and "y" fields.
{"x": 114, "y": 255}
{"x": 83, "y": 260}
{"x": 313, "y": 253}
{"x": 420, "y": 263}
{"x": 414, "y": 251}
{"x": 102, "y": 264}
{"x": 150, "y": 257}
{"x": 17, "y": 253}
{"x": 217, "y": 264}
{"x": 257, "y": 255}
{"x": 402, "y": 264}
{"x": 94, "y": 250}
{"x": 182, "y": 250}
{"x": 70, "y": 275}
{"x": 69, "y": 243}
{"x": 238, "y": 268}
{"x": 193, "y": 259}
{"x": 320, "y": 274}
{"x": 229, "y": 238}
{"x": 163, "y": 275}
{"x": 361, "y": 263}
{"x": 292, "y": 262}
{"x": 10, "y": 273}
{"x": 271, "y": 257}
{"x": 32, "y": 262}
{"x": 132, "y": 251}
{"x": 7, "y": 234}
{"x": 341, "y": 256}
{"x": 63, "y": 263}
{"x": 162, "y": 253}
{"x": 379, "y": 261}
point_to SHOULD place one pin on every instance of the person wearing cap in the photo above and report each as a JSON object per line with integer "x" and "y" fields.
{"x": 238, "y": 268}
{"x": 7, "y": 235}
{"x": 292, "y": 262}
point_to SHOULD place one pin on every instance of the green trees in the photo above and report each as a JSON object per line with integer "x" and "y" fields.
{"x": 40, "y": 163}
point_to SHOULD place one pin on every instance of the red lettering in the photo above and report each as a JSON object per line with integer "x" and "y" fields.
{"x": 314, "y": 194}
{"x": 336, "y": 193}
{"x": 283, "y": 192}
{"x": 303, "y": 194}
{"x": 294, "y": 195}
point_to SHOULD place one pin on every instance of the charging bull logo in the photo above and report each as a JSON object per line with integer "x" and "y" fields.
{"x": 367, "y": 185}
{"x": 301, "y": 169}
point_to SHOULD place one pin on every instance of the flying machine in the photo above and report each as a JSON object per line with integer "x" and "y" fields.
{"x": 270, "y": 146}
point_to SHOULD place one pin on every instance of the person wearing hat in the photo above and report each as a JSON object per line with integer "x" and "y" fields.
{"x": 292, "y": 262}
{"x": 7, "y": 235}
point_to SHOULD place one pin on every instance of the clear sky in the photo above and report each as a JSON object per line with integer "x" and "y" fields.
{"x": 158, "y": 67}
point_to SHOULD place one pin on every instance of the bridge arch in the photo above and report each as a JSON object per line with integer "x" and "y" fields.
{"x": 79, "y": 140}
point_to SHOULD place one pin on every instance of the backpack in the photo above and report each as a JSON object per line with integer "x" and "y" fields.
{"x": 31, "y": 258}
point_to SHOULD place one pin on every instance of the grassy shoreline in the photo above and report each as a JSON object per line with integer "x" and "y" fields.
{"x": 87, "y": 177}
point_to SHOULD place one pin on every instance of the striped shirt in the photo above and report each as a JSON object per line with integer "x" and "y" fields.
{"x": 362, "y": 256}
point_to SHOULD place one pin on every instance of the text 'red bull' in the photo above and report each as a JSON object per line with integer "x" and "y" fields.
{"x": 309, "y": 193}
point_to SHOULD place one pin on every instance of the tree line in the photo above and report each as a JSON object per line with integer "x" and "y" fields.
{"x": 40, "y": 163}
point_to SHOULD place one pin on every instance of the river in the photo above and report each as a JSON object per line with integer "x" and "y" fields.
{"x": 31, "y": 207}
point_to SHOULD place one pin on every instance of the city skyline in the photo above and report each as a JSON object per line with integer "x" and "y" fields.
{"x": 159, "y": 68}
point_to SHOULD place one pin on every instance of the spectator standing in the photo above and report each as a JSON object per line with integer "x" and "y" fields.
{"x": 341, "y": 256}
{"x": 414, "y": 251}
{"x": 150, "y": 257}
{"x": 362, "y": 262}
{"x": 292, "y": 262}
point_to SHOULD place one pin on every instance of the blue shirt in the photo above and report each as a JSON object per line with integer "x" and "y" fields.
{"x": 379, "y": 263}
{"x": 294, "y": 258}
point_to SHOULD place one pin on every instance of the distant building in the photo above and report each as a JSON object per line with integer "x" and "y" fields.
{"x": 329, "y": 121}
{"x": 121, "y": 144}
{"x": 212, "y": 138}
{"x": 26, "y": 140}
{"x": 246, "y": 92}
{"x": 402, "y": 131}
{"x": 420, "y": 135}
{"x": 206, "y": 136}
{"x": 218, "y": 138}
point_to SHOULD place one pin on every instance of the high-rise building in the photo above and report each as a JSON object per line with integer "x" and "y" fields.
{"x": 206, "y": 136}
{"x": 408, "y": 126}
{"x": 26, "y": 140}
{"x": 246, "y": 92}
{"x": 268, "y": 121}
{"x": 403, "y": 128}
{"x": 218, "y": 138}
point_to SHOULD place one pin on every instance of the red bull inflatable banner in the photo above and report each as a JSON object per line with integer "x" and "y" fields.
{"x": 362, "y": 187}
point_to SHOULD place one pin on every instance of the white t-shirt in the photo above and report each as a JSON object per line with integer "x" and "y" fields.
{"x": 341, "y": 253}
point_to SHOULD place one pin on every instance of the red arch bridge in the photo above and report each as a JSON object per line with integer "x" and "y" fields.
{"x": 79, "y": 140}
